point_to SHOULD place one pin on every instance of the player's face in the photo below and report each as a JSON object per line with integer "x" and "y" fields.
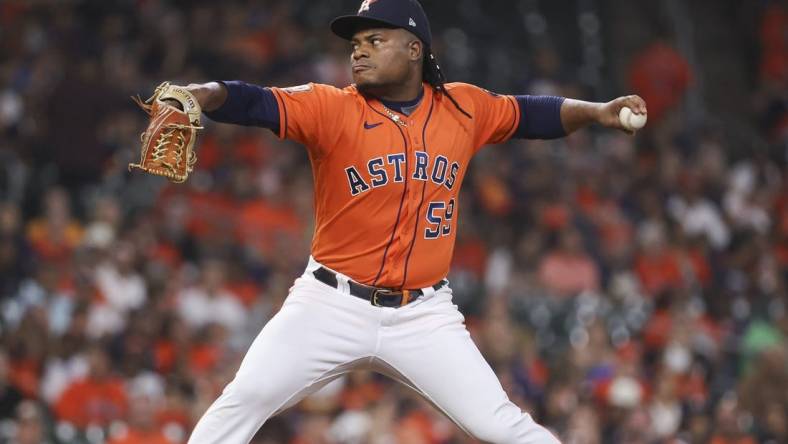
{"x": 383, "y": 57}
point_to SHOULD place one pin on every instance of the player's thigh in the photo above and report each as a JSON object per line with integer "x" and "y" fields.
{"x": 434, "y": 354}
{"x": 311, "y": 339}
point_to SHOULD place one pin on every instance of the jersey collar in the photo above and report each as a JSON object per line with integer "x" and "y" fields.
{"x": 416, "y": 115}
{"x": 401, "y": 107}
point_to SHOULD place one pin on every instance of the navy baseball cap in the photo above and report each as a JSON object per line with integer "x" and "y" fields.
{"x": 405, "y": 14}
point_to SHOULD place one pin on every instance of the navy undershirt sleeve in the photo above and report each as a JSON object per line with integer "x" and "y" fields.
{"x": 540, "y": 117}
{"x": 249, "y": 105}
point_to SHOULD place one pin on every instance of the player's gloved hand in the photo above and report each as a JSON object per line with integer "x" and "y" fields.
{"x": 168, "y": 142}
{"x": 608, "y": 113}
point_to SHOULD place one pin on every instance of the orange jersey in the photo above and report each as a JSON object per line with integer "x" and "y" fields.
{"x": 387, "y": 184}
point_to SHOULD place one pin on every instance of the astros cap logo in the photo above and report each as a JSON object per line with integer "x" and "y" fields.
{"x": 365, "y": 5}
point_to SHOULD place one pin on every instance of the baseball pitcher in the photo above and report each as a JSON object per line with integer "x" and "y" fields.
{"x": 389, "y": 154}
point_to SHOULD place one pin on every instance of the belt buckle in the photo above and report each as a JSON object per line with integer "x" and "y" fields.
{"x": 380, "y": 291}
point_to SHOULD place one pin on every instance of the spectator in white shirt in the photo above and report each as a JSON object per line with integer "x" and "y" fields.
{"x": 210, "y": 302}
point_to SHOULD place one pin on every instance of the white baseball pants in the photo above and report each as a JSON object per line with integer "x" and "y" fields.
{"x": 322, "y": 332}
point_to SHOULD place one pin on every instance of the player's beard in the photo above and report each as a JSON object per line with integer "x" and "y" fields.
{"x": 379, "y": 87}
{"x": 372, "y": 88}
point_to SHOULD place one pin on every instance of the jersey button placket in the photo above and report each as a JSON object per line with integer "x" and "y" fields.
{"x": 409, "y": 207}
{"x": 413, "y": 198}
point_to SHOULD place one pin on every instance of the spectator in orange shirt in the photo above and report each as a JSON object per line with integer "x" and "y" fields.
{"x": 55, "y": 235}
{"x": 97, "y": 399}
{"x": 657, "y": 264}
{"x": 568, "y": 270}
{"x": 661, "y": 76}
{"x": 264, "y": 223}
{"x": 416, "y": 428}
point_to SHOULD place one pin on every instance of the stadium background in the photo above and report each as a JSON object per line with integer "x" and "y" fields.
{"x": 626, "y": 290}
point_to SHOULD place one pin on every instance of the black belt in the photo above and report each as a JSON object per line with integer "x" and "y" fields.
{"x": 377, "y": 296}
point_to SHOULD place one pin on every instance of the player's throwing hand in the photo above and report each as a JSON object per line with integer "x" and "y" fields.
{"x": 609, "y": 112}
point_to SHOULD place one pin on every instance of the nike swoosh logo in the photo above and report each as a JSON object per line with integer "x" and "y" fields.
{"x": 370, "y": 126}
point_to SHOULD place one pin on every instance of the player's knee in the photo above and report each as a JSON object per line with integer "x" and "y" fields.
{"x": 490, "y": 431}
{"x": 508, "y": 435}
{"x": 247, "y": 395}
{"x": 491, "y": 435}
{"x": 504, "y": 429}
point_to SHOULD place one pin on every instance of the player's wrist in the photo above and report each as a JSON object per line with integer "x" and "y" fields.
{"x": 599, "y": 113}
{"x": 577, "y": 114}
{"x": 210, "y": 96}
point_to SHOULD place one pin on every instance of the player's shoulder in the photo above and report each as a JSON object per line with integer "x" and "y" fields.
{"x": 316, "y": 89}
{"x": 460, "y": 87}
{"x": 349, "y": 94}
{"x": 322, "y": 95}
{"x": 469, "y": 90}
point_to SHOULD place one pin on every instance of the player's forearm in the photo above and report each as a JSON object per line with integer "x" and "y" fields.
{"x": 576, "y": 114}
{"x": 211, "y": 95}
{"x": 239, "y": 103}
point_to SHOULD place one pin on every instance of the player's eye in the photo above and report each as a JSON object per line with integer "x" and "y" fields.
{"x": 377, "y": 41}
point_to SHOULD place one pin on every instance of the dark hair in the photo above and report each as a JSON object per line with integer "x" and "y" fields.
{"x": 432, "y": 74}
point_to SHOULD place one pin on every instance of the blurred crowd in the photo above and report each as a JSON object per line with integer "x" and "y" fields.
{"x": 625, "y": 289}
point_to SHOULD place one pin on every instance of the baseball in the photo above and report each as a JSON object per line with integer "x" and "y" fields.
{"x": 630, "y": 120}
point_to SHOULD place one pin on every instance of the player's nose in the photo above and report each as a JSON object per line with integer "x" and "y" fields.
{"x": 358, "y": 53}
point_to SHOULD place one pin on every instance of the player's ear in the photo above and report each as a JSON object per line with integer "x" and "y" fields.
{"x": 415, "y": 50}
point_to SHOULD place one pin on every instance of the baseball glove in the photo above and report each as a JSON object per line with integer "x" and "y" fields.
{"x": 168, "y": 142}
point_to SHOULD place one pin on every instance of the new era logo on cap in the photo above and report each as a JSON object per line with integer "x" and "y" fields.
{"x": 412, "y": 22}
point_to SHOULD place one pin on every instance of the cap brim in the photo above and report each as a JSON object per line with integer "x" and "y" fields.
{"x": 348, "y": 25}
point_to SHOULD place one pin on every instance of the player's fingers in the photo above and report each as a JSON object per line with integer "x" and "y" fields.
{"x": 615, "y": 122}
{"x": 624, "y": 102}
{"x": 637, "y": 104}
